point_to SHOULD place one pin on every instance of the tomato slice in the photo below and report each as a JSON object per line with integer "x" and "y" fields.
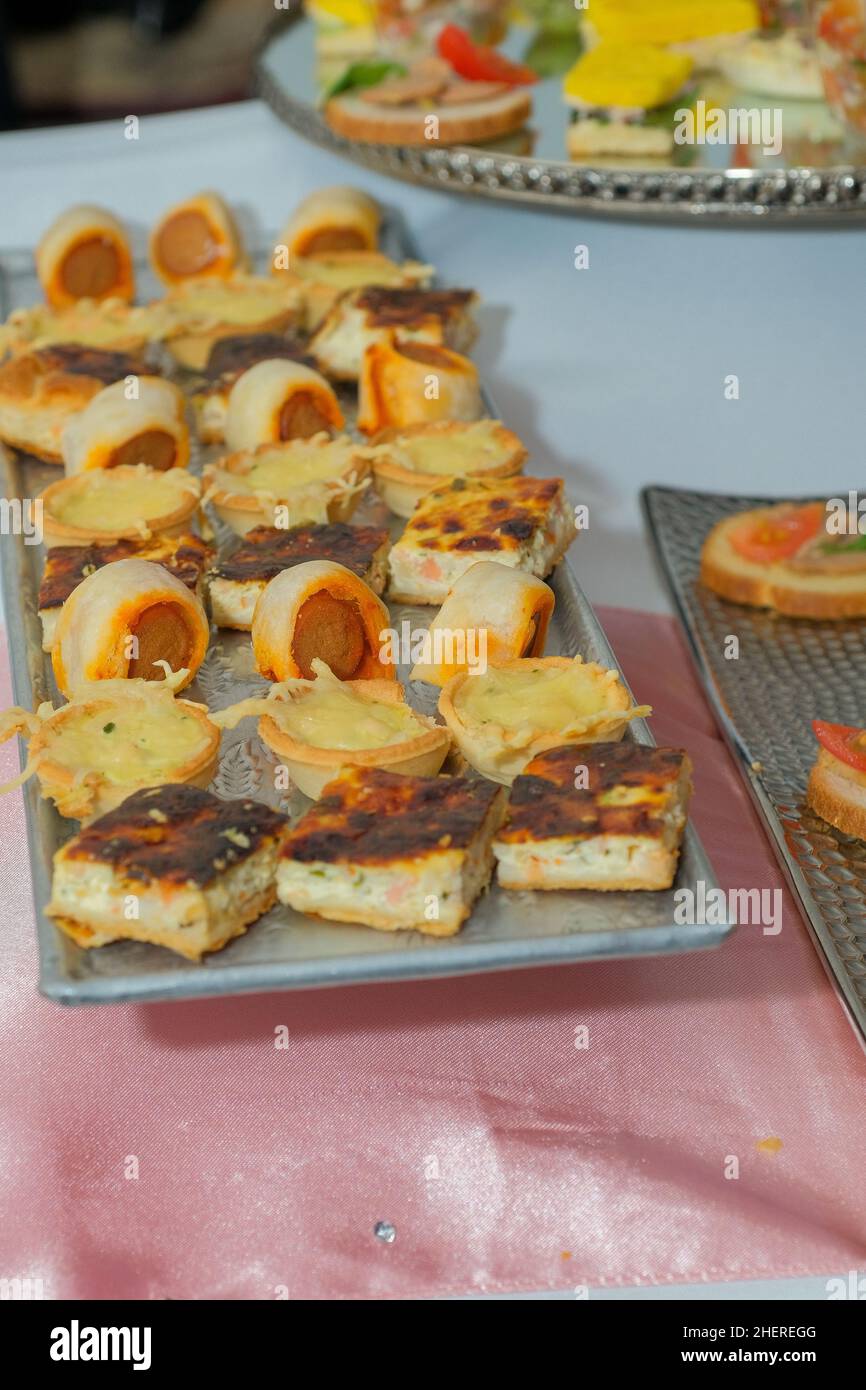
{"x": 477, "y": 63}
{"x": 779, "y": 535}
{"x": 844, "y": 742}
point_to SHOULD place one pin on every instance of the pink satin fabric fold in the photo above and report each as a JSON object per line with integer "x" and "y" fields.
{"x": 460, "y": 1111}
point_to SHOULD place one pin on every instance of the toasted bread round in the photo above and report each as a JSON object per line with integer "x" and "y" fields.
{"x": 465, "y": 123}
{"x": 837, "y": 793}
{"x": 796, "y": 593}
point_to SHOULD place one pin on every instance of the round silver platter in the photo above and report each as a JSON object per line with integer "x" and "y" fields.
{"x": 815, "y": 186}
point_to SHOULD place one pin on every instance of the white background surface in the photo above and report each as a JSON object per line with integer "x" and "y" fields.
{"x": 614, "y": 376}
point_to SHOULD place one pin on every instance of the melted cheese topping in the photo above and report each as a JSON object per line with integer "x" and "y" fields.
{"x": 128, "y": 742}
{"x": 469, "y": 450}
{"x": 278, "y": 470}
{"x": 348, "y": 273}
{"x": 547, "y": 698}
{"x": 337, "y": 717}
{"x": 108, "y": 500}
{"x": 248, "y": 300}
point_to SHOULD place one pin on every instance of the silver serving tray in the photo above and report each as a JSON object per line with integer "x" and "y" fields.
{"x": 285, "y": 949}
{"x": 814, "y": 183}
{"x": 789, "y": 672}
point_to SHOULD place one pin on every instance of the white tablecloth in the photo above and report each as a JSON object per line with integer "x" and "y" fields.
{"x": 614, "y": 375}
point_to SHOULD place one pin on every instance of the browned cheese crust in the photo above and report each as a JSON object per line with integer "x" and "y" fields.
{"x": 479, "y": 514}
{"x": 267, "y": 551}
{"x": 372, "y": 817}
{"x": 66, "y": 566}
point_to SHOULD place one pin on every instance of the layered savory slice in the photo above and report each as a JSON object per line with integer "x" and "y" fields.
{"x": 408, "y": 382}
{"x": 837, "y": 782}
{"x": 599, "y": 816}
{"x": 393, "y": 852}
{"x": 505, "y": 715}
{"x": 111, "y": 504}
{"x": 41, "y": 391}
{"x": 317, "y": 727}
{"x": 409, "y": 463}
{"x": 319, "y": 609}
{"x": 184, "y": 556}
{"x": 173, "y": 866}
{"x": 290, "y": 484}
{"x": 786, "y": 557}
{"x": 111, "y": 739}
{"x": 363, "y": 317}
{"x": 85, "y": 254}
{"x": 202, "y": 312}
{"x": 623, "y": 99}
{"x": 237, "y": 582}
{"x": 227, "y": 361}
{"x": 522, "y": 522}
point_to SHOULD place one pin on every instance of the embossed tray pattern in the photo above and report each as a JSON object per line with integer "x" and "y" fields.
{"x": 788, "y": 673}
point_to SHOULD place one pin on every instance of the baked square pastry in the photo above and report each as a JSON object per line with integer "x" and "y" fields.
{"x": 363, "y": 317}
{"x": 600, "y": 816}
{"x": 837, "y": 782}
{"x": 173, "y": 866}
{"x": 393, "y": 852}
{"x": 41, "y": 391}
{"x": 522, "y": 522}
{"x": 236, "y": 582}
{"x": 785, "y": 557}
{"x": 184, "y": 556}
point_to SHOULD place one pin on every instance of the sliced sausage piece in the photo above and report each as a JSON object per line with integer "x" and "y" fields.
{"x": 331, "y": 629}
{"x": 163, "y": 634}
{"x": 186, "y": 244}
{"x": 459, "y": 93}
{"x": 90, "y": 269}
{"x": 335, "y": 239}
{"x": 301, "y": 418}
{"x": 156, "y": 448}
{"x": 403, "y": 91}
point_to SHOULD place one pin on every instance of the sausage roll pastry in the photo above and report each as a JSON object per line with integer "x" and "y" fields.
{"x": 837, "y": 782}
{"x": 111, "y": 504}
{"x": 786, "y": 557}
{"x": 332, "y": 219}
{"x": 85, "y": 255}
{"x": 198, "y": 870}
{"x": 228, "y": 359}
{"x": 316, "y": 728}
{"x": 602, "y": 816}
{"x": 320, "y": 610}
{"x": 322, "y": 279}
{"x": 184, "y": 556}
{"x": 368, "y": 316}
{"x": 111, "y": 739}
{"x": 492, "y": 614}
{"x": 507, "y": 714}
{"x": 283, "y": 485}
{"x": 129, "y": 619}
{"x": 200, "y": 313}
{"x": 409, "y": 463}
{"x": 395, "y": 853}
{"x": 41, "y": 391}
{"x": 129, "y": 422}
{"x": 411, "y": 383}
{"x": 109, "y": 325}
{"x": 278, "y": 400}
{"x": 522, "y": 522}
{"x": 237, "y": 582}
{"x": 196, "y": 239}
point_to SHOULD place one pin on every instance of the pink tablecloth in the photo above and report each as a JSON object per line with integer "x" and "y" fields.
{"x": 460, "y": 1111}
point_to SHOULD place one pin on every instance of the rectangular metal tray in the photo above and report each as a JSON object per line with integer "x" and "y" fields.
{"x": 285, "y": 949}
{"x": 789, "y": 672}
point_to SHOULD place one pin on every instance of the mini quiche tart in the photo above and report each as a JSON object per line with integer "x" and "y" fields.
{"x": 785, "y": 557}
{"x": 318, "y": 727}
{"x": 323, "y": 278}
{"x": 393, "y": 852}
{"x": 299, "y": 482}
{"x": 837, "y": 782}
{"x": 112, "y": 738}
{"x": 409, "y": 463}
{"x": 131, "y": 618}
{"x": 115, "y": 428}
{"x": 111, "y": 325}
{"x": 320, "y": 610}
{"x": 505, "y": 716}
{"x": 202, "y": 312}
{"x": 111, "y": 504}
{"x": 196, "y": 239}
{"x": 522, "y": 522}
{"x": 85, "y": 254}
